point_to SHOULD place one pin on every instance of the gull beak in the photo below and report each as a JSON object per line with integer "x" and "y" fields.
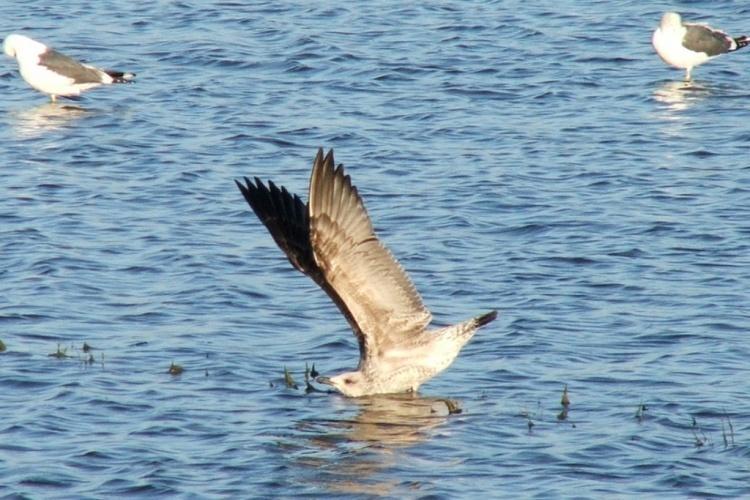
{"x": 324, "y": 380}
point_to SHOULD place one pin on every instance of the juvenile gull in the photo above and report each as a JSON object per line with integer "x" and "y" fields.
{"x": 56, "y": 74}
{"x": 331, "y": 240}
{"x": 686, "y": 45}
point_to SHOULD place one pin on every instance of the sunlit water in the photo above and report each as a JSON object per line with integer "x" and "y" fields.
{"x": 532, "y": 157}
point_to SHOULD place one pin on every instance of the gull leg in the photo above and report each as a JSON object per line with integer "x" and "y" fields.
{"x": 687, "y": 75}
{"x": 53, "y": 97}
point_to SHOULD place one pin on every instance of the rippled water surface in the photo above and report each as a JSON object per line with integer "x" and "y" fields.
{"x": 528, "y": 156}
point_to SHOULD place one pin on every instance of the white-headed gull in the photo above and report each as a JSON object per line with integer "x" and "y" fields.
{"x": 686, "y": 45}
{"x": 54, "y": 73}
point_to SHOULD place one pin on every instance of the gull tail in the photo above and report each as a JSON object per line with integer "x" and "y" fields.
{"x": 484, "y": 319}
{"x": 741, "y": 41}
{"x": 120, "y": 77}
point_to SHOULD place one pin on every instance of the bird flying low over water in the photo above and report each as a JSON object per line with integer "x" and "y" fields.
{"x": 686, "y": 45}
{"x": 56, "y": 74}
{"x": 331, "y": 239}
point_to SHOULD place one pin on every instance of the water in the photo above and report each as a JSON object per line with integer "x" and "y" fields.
{"x": 533, "y": 158}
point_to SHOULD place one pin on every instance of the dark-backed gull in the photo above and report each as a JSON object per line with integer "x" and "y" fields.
{"x": 54, "y": 73}
{"x": 686, "y": 45}
{"x": 331, "y": 239}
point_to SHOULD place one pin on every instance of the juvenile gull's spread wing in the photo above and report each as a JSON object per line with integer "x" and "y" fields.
{"x": 286, "y": 218}
{"x": 375, "y": 288}
{"x": 332, "y": 241}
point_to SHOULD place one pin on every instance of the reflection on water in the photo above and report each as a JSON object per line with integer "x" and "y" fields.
{"x": 351, "y": 452}
{"x": 392, "y": 420}
{"x": 680, "y": 95}
{"x": 45, "y": 118}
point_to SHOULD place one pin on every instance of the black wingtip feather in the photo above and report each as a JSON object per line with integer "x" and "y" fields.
{"x": 121, "y": 76}
{"x": 285, "y": 217}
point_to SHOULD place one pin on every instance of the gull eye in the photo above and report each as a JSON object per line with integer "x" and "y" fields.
{"x": 348, "y": 381}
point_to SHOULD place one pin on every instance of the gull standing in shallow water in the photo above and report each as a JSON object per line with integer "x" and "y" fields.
{"x": 331, "y": 239}
{"x": 53, "y": 73}
{"x": 686, "y": 45}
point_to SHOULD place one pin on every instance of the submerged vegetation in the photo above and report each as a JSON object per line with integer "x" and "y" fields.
{"x": 175, "y": 369}
{"x": 62, "y": 352}
{"x": 84, "y": 355}
{"x": 700, "y": 438}
{"x": 289, "y": 380}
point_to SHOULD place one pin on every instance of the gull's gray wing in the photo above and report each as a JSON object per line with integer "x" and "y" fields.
{"x": 371, "y": 284}
{"x": 69, "y": 67}
{"x": 700, "y": 38}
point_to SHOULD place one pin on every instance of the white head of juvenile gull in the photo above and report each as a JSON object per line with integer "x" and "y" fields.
{"x": 686, "y": 45}
{"x": 331, "y": 239}
{"x": 56, "y": 74}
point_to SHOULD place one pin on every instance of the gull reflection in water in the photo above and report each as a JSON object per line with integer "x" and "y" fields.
{"x": 680, "y": 95}
{"x": 45, "y": 118}
{"x": 351, "y": 452}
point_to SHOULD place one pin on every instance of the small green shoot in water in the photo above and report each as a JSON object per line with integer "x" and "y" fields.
{"x": 640, "y": 413}
{"x": 565, "y": 401}
{"x": 701, "y": 439}
{"x": 60, "y": 353}
{"x": 288, "y": 380}
{"x": 308, "y": 386}
{"x": 728, "y": 438}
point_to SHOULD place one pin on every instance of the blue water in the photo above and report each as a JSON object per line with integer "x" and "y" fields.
{"x": 532, "y": 157}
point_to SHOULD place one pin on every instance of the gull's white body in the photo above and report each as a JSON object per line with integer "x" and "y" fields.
{"x": 667, "y": 41}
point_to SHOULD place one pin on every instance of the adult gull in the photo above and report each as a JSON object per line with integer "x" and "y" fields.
{"x": 331, "y": 239}
{"x": 686, "y": 45}
{"x": 56, "y": 74}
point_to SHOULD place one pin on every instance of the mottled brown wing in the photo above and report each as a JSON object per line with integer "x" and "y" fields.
{"x": 286, "y": 218}
{"x": 375, "y": 289}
